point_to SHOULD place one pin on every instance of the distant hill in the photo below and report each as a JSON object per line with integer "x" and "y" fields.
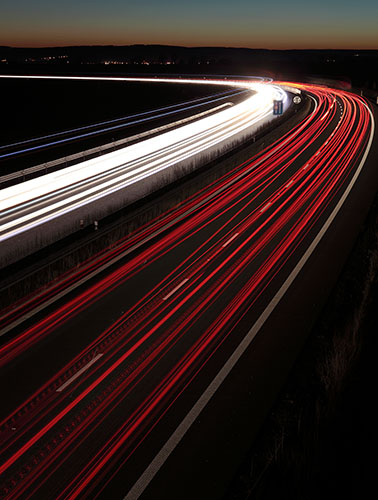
{"x": 360, "y": 67}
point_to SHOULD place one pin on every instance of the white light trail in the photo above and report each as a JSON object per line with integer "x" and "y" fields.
{"x": 39, "y": 200}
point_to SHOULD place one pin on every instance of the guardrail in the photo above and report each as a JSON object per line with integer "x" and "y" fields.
{"x": 67, "y": 161}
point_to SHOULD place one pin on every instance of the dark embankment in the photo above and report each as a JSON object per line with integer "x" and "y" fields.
{"x": 321, "y": 437}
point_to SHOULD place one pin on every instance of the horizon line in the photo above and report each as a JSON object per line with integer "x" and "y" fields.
{"x": 181, "y": 46}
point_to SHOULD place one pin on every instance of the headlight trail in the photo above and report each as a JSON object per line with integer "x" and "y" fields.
{"x": 35, "y": 202}
{"x": 112, "y": 125}
{"x": 232, "y": 248}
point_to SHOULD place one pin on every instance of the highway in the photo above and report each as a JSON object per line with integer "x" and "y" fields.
{"x": 29, "y": 153}
{"x": 117, "y": 372}
{"x": 29, "y": 145}
{"x": 27, "y": 205}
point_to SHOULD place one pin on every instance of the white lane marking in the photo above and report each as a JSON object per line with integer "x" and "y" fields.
{"x": 159, "y": 460}
{"x": 289, "y": 184}
{"x": 77, "y": 374}
{"x": 229, "y": 241}
{"x": 266, "y": 206}
{"x": 175, "y": 289}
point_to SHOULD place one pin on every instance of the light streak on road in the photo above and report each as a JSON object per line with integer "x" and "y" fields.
{"x": 35, "y": 202}
{"x": 227, "y": 251}
{"x": 127, "y": 121}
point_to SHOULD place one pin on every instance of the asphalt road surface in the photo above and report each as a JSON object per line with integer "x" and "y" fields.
{"x": 110, "y": 390}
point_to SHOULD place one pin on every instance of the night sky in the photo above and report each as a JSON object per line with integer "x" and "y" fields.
{"x": 238, "y": 23}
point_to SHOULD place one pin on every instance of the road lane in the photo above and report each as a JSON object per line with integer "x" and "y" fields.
{"x": 228, "y": 260}
{"x": 38, "y": 143}
{"x": 36, "y": 202}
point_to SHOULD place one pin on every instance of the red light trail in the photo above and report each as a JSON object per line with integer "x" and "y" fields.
{"x": 228, "y": 250}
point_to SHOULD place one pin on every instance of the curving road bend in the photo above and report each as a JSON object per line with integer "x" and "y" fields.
{"x": 117, "y": 372}
{"x": 28, "y": 205}
{"x": 84, "y": 132}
